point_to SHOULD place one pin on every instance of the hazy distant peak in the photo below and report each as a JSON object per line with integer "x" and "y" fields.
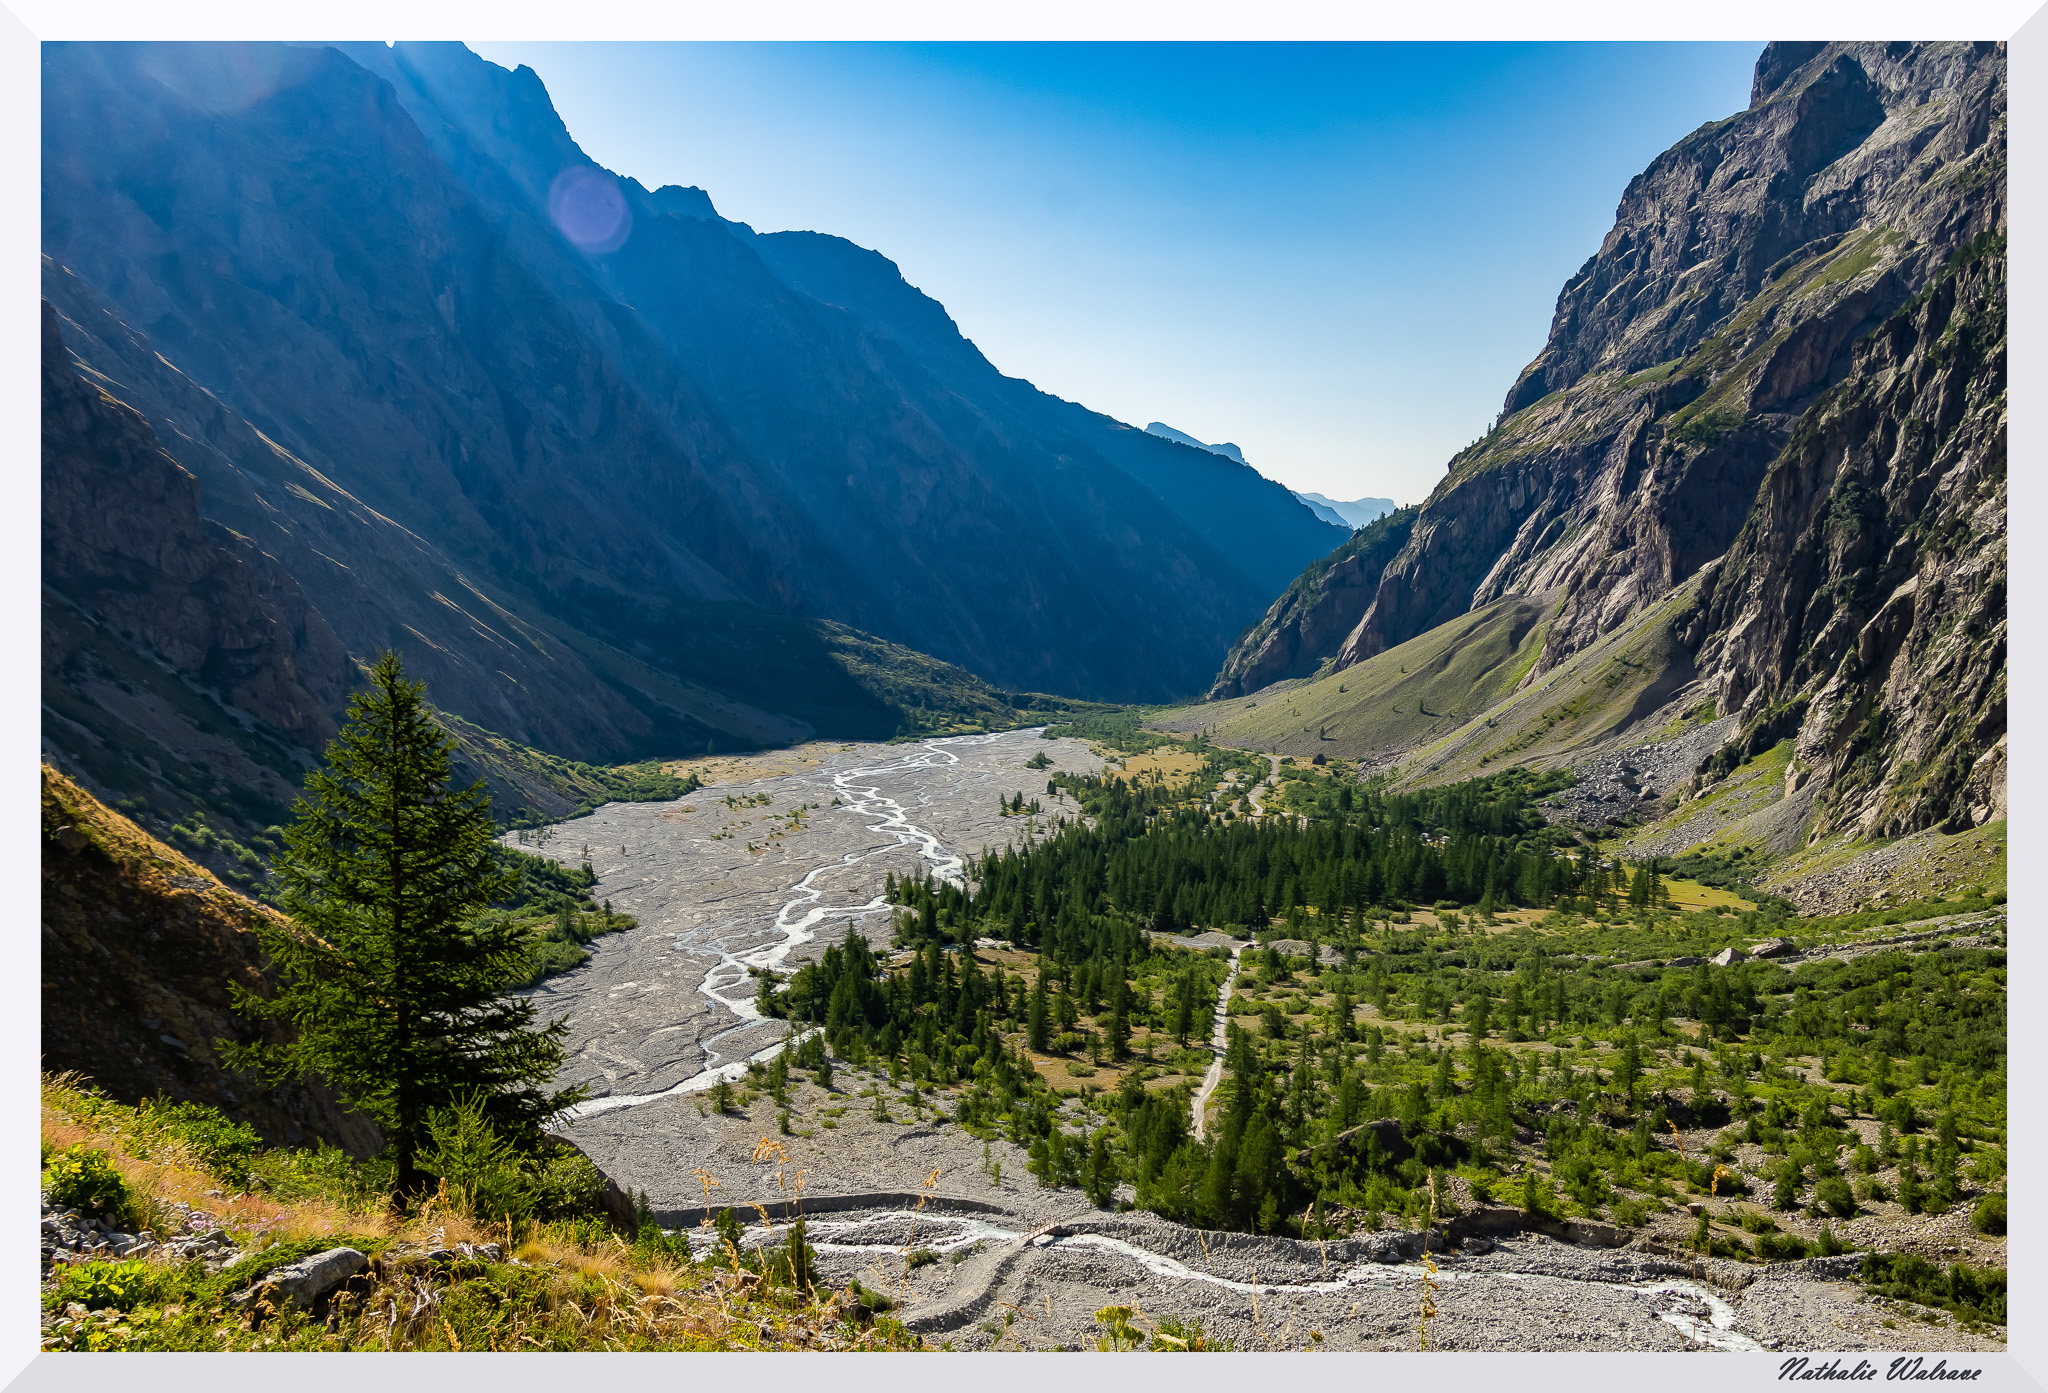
{"x": 1357, "y": 513}
{"x": 1226, "y": 449}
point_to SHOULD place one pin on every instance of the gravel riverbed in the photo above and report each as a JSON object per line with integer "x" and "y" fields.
{"x": 766, "y": 872}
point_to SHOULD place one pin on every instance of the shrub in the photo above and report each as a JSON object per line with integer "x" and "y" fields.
{"x": 479, "y": 1169}
{"x": 84, "y": 1179}
{"x": 324, "y": 1172}
{"x": 489, "y": 1178}
{"x": 224, "y": 1147}
{"x": 1780, "y": 1247}
{"x": 1174, "y": 1336}
{"x": 119, "y": 1286}
{"x": 1973, "y": 1293}
{"x": 1989, "y": 1215}
{"x": 1832, "y": 1194}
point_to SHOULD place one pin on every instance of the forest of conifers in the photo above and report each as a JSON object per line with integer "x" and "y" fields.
{"x": 1453, "y": 998}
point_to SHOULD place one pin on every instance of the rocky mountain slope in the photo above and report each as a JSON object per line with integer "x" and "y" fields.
{"x": 1312, "y": 617}
{"x": 177, "y": 658}
{"x": 1862, "y": 608}
{"x": 589, "y": 454}
{"x": 187, "y": 675}
{"x": 1778, "y": 387}
{"x": 138, "y": 946}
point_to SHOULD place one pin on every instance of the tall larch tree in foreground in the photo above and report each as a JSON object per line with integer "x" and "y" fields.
{"x": 396, "y": 990}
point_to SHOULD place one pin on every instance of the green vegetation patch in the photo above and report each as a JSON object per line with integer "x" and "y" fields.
{"x": 1493, "y": 980}
{"x": 932, "y": 697}
{"x": 1409, "y": 694}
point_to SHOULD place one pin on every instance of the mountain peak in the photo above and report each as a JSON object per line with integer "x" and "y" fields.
{"x": 1225, "y": 449}
{"x": 1354, "y": 514}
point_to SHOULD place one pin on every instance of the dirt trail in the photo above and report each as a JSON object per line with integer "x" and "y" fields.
{"x": 1259, "y": 808}
{"x": 1218, "y": 1041}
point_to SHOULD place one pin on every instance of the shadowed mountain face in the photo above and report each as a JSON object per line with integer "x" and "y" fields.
{"x": 1770, "y": 419}
{"x": 589, "y": 455}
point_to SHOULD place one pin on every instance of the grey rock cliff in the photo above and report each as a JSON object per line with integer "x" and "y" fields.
{"x": 1742, "y": 315}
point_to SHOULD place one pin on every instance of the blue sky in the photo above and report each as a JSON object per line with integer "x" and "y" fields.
{"x": 1337, "y": 256}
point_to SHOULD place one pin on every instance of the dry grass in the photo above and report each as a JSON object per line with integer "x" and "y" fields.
{"x": 1172, "y": 765}
{"x": 568, "y": 1287}
{"x": 723, "y": 770}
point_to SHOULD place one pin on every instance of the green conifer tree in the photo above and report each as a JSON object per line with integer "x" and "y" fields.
{"x": 396, "y": 989}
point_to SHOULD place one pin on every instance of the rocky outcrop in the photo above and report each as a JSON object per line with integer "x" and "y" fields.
{"x": 139, "y": 946}
{"x": 1309, "y": 622}
{"x": 1737, "y": 334}
{"x": 1742, "y": 266}
{"x": 302, "y": 1285}
{"x": 124, "y": 541}
{"x": 1863, "y": 607}
{"x": 1838, "y": 138}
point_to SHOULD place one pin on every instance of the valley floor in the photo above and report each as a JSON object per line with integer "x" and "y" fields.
{"x": 986, "y": 1263}
{"x": 768, "y": 868}
{"x": 763, "y": 872}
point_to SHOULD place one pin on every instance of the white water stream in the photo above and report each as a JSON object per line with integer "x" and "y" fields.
{"x": 803, "y": 912}
{"x": 798, "y": 922}
{"x": 949, "y": 1233}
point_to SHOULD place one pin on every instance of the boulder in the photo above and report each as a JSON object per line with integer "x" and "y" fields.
{"x": 615, "y": 1202}
{"x": 1728, "y": 957}
{"x": 1685, "y": 962}
{"x": 1386, "y": 1131}
{"x": 307, "y": 1281}
{"x": 1773, "y": 948}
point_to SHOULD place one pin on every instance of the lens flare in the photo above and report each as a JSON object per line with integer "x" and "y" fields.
{"x": 589, "y": 209}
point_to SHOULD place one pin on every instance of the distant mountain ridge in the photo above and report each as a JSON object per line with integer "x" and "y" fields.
{"x": 1225, "y": 448}
{"x": 1352, "y": 515}
{"x": 591, "y": 456}
{"x": 1357, "y": 513}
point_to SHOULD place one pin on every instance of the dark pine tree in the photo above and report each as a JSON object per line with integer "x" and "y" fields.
{"x": 397, "y": 992}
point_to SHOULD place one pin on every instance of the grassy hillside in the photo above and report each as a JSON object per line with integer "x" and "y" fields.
{"x": 931, "y": 697}
{"x": 1422, "y": 690}
{"x": 1451, "y": 703}
{"x": 1592, "y": 696}
{"x": 562, "y": 1278}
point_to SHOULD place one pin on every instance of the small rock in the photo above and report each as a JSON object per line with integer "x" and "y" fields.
{"x": 305, "y": 1282}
